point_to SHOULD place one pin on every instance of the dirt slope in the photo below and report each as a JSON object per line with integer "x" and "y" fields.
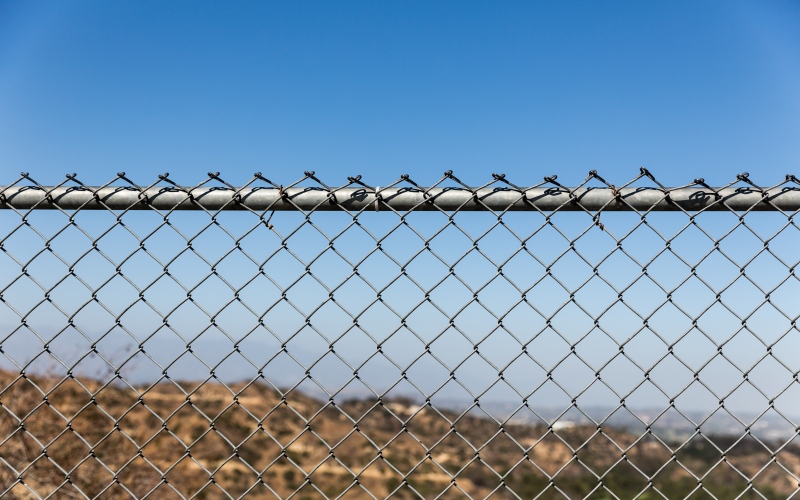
{"x": 61, "y": 436}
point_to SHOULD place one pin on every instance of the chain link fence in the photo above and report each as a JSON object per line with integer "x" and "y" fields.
{"x": 359, "y": 341}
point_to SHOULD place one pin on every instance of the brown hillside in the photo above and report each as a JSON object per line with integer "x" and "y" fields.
{"x": 64, "y": 436}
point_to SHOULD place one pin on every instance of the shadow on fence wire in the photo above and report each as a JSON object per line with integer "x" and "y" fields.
{"x": 358, "y": 341}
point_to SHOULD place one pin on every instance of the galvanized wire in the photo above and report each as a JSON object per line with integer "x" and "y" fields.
{"x": 337, "y": 324}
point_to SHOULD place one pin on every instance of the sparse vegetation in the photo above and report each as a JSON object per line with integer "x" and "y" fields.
{"x": 61, "y": 437}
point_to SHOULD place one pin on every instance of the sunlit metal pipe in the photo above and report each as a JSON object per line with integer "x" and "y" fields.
{"x": 399, "y": 199}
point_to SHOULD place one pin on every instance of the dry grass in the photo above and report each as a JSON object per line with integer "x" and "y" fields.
{"x": 62, "y": 437}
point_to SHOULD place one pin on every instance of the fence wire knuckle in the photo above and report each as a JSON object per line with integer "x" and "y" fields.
{"x": 304, "y": 340}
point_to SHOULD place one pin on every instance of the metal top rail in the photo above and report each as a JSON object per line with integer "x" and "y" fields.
{"x": 448, "y": 194}
{"x": 400, "y": 199}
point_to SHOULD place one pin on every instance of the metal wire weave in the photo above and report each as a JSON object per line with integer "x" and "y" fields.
{"x": 309, "y": 341}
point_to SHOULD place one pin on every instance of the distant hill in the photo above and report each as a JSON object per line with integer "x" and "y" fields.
{"x": 189, "y": 439}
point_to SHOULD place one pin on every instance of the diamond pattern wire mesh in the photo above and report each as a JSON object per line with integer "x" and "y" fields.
{"x": 174, "y": 347}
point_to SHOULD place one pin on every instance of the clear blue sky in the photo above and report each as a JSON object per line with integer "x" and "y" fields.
{"x": 687, "y": 89}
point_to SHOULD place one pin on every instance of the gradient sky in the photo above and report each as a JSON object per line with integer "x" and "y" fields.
{"x": 687, "y": 89}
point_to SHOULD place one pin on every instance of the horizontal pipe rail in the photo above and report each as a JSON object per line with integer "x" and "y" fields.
{"x": 399, "y": 199}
